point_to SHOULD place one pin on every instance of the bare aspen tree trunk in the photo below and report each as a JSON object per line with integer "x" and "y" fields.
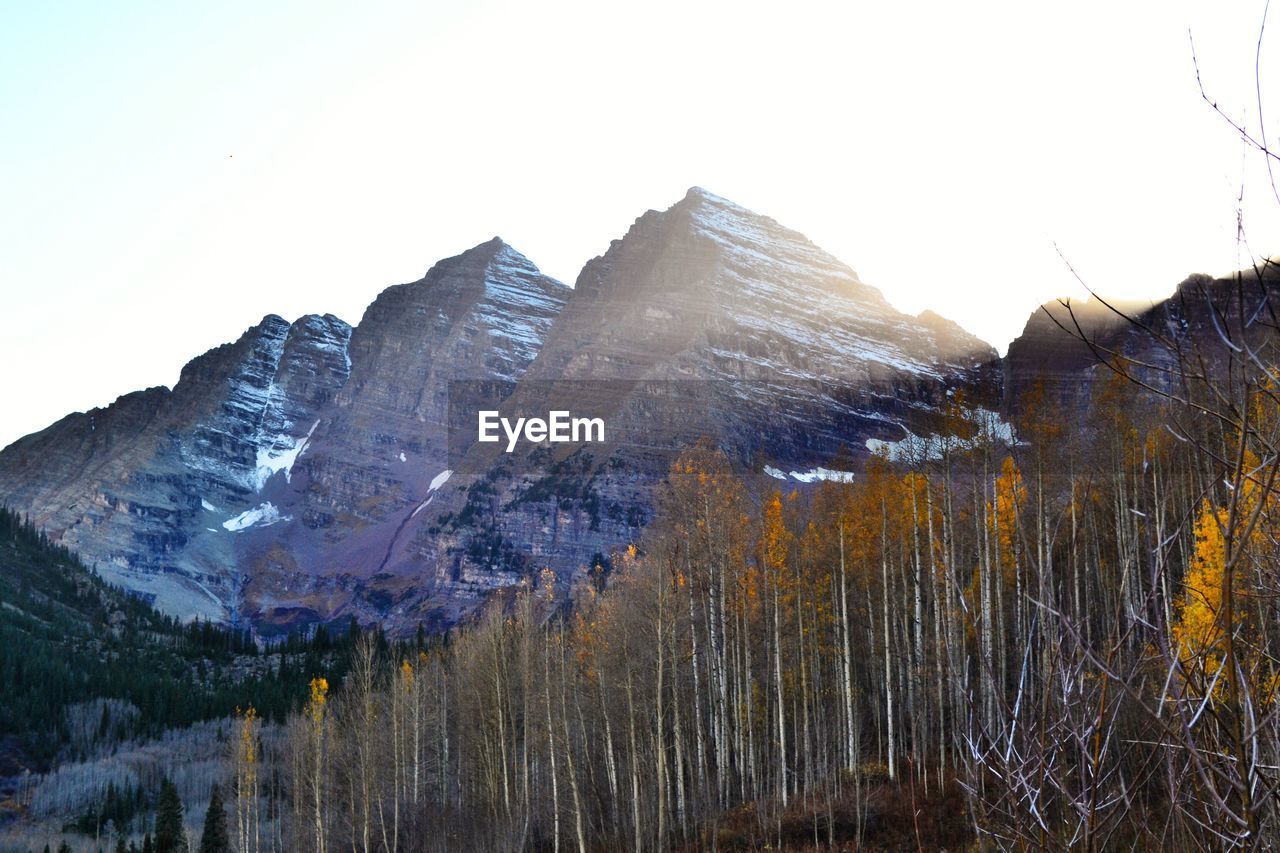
{"x": 753, "y": 779}
{"x": 660, "y": 729}
{"x": 444, "y": 737}
{"x": 917, "y": 661}
{"x": 677, "y": 726}
{"x": 551, "y": 744}
{"x": 611, "y": 765}
{"x": 888, "y": 661}
{"x": 568, "y": 751}
{"x": 804, "y": 754}
{"x": 419, "y": 689}
{"x": 846, "y": 660}
{"x": 986, "y": 669}
{"x": 720, "y": 652}
{"x": 500, "y": 704}
{"x": 700, "y": 770}
{"x": 362, "y": 680}
{"x": 634, "y": 760}
{"x": 779, "y": 700}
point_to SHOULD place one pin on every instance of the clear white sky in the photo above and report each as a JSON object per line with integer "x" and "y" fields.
{"x": 170, "y": 172}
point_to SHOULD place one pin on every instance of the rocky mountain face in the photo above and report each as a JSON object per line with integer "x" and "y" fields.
{"x": 273, "y": 476}
{"x": 138, "y": 486}
{"x": 379, "y": 452}
{"x": 306, "y": 473}
{"x": 705, "y": 322}
{"x": 1064, "y": 343}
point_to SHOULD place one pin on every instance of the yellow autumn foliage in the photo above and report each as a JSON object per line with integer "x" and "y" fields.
{"x": 319, "y": 695}
{"x": 1009, "y": 498}
{"x": 1197, "y": 631}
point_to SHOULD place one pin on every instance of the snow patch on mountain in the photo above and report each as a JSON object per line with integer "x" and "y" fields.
{"x": 990, "y": 429}
{"x": 251, "y": 435}
{"x": 420, "y": 507}
{"x": 813, "y": 475}
{"x": 436, "y": 482}
{"x": 263, "y": 515}
{"x": 275, "y": 458}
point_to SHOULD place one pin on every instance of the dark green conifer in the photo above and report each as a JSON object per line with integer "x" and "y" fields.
{"x": 170, "y": 836}
{"x": 214, "y": 839}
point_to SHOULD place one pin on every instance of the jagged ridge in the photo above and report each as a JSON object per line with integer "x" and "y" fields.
{"x": 296, "y": 475}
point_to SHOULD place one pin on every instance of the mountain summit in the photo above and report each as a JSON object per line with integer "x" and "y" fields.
{"x": 302, "y": 473}
{"x": 718, "y": 282}
{"x": 706, "y": 321}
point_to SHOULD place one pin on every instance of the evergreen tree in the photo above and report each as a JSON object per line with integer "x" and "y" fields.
{"x": 214, "y": 838}
{"x": 147, "y": 846}
{"x": 170, "y": 837}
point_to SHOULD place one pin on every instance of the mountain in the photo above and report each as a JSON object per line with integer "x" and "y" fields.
{"x": 380, "y": 448}
{"x": 1064, "y": 341}
{"x": 311, "y": 471}
{"x": 194, "y": 497}
{"x": 144, "y": 489}
{"x": 704, "y": 322}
